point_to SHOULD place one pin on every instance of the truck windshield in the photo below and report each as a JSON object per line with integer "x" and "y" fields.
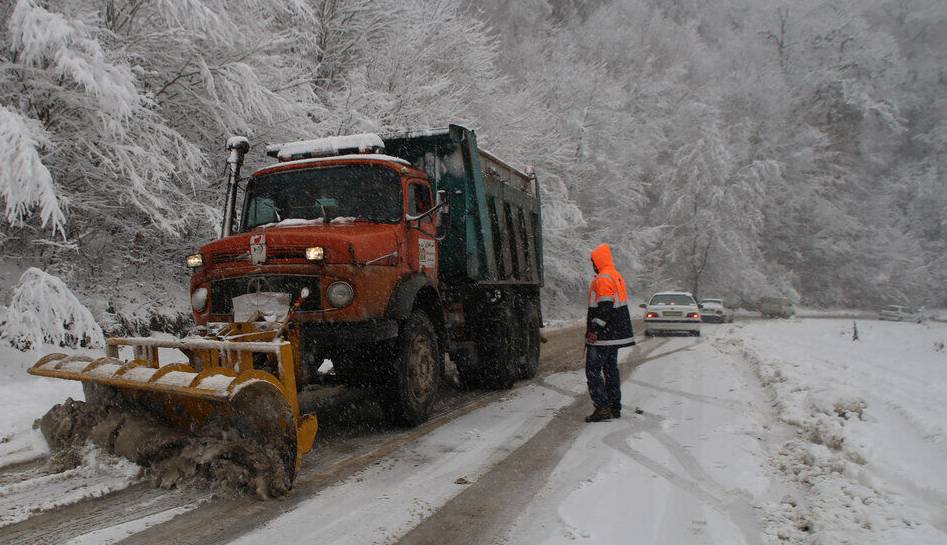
{"x": 344, "y": 193}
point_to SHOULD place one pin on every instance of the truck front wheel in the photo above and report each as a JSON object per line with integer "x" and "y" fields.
{"x": 418, "y": 368}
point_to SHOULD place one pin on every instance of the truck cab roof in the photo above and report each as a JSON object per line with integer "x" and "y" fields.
{"x": 339, "y": 159}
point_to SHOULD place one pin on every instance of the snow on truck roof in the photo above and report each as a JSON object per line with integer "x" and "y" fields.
{"x": 327, "y": 147}
{"x": 317, "y": 160}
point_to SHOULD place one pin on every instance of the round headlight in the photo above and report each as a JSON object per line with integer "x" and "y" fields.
{"x": 199, "y": 299}
{"x": 340, "y": 294}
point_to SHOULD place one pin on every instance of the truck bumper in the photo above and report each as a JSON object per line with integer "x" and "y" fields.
{"x": 348, "y": 333}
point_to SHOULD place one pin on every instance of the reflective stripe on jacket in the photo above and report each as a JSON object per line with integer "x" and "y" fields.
{"x": 608, "y": 315}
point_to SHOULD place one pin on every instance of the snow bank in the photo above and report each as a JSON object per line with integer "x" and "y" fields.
{"x": 25, "y": 398}
{"x": 868, "y": 462}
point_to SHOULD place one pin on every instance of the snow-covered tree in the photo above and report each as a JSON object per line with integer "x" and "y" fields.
{"x": 44, "y": 311}
{"x": 25, "y": 182}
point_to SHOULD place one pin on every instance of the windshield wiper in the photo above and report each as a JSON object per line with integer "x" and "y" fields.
{"x": 325, "y": 215}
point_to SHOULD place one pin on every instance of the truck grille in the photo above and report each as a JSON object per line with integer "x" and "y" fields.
{"x": 223, "y": 291}
{"x": 271, "y": 253}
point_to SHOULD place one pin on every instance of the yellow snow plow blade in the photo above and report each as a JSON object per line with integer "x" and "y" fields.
{"x": 245, "y": 382}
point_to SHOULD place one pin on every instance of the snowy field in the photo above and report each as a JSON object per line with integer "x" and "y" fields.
{"x": 868, "y": 459}
{"x": 759, "y": 432}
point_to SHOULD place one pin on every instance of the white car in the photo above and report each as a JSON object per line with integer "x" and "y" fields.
{"x": 672, "y": 312}
{"x": 900, "y": 313}
{"x": 714, "y": 310}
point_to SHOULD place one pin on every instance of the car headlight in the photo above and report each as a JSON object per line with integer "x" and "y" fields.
{"x": 315, "y": 253}
{"x": 194, "y": 261}
{"x": 199, "y": 299}
{"x": 340, "y": 294}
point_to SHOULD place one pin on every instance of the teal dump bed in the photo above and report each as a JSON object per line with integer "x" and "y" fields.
{"x": 494, "y": 230}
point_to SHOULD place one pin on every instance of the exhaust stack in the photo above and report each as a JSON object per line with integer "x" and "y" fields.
{"x": 238, "y": 146}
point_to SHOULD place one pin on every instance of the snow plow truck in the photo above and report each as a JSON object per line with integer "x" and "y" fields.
{"x": 379, "y": 253}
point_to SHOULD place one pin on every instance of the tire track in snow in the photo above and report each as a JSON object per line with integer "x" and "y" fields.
{"x": 728, "y": 404}
{"x": 697, "y": 482}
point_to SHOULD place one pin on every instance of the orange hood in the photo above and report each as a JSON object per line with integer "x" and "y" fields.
{"x": 343, "y": 243}
{"x": 602, "y": 257}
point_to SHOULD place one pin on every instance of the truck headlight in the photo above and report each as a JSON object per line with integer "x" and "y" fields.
{"x": 315, "y": 253}
{"x": 194, "y": 261}
{"x": 199, "y": 299}
{"x": 340, "y": 294}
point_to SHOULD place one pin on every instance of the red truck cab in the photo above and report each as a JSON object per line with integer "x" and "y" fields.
{"x": 336, "y": 225}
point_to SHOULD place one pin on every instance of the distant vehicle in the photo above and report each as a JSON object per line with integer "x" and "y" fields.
{"x": 672, "y": 312}
{"x": 714, "y": 310}
{"x": 776, "y": 307}
{"x": 900, "y": 313}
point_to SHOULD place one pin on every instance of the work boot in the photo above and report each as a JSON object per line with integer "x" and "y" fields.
{"x": 616, "y": 410}
{"x": 601, "y": 414}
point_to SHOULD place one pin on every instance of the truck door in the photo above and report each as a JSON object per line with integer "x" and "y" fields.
{"x": 422, "y": 246}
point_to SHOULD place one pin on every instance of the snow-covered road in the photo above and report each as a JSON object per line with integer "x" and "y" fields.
{"x": 759, "y": 432}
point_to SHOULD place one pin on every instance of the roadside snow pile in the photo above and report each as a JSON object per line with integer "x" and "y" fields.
{"x": 23, "y": 399}
{"x": 868, "y": 463}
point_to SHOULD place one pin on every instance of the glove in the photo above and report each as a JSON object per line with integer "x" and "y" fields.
{"x": 591, "y": 337}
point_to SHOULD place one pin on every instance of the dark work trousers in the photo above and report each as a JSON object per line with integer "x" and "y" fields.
{"x": 599, "y": 361}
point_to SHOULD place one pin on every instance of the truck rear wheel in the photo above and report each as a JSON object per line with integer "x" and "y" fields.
{"x": 498, "y": 361}
{"x": 418, "y": 368}
{"x": 527, "y": 351}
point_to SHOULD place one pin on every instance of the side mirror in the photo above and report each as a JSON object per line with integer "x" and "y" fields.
{"x": 304, "y": 293}
{"x": 642, "y": 305}
{"x": 700, "y": 305}
{"x": 442, "y": 205}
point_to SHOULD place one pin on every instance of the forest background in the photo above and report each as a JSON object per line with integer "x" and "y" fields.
{"x": 737, "y": 148}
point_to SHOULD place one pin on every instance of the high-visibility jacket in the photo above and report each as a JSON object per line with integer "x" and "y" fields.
{"x": 608, "y": 315}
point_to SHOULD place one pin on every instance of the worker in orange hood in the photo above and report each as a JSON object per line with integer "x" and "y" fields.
{"x": 608, "y": 328}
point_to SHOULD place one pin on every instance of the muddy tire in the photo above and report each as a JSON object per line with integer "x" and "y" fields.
{"x": 498, "y": 363}
{"x": 418, "y": 368}
{"x": 528, "y": 346}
